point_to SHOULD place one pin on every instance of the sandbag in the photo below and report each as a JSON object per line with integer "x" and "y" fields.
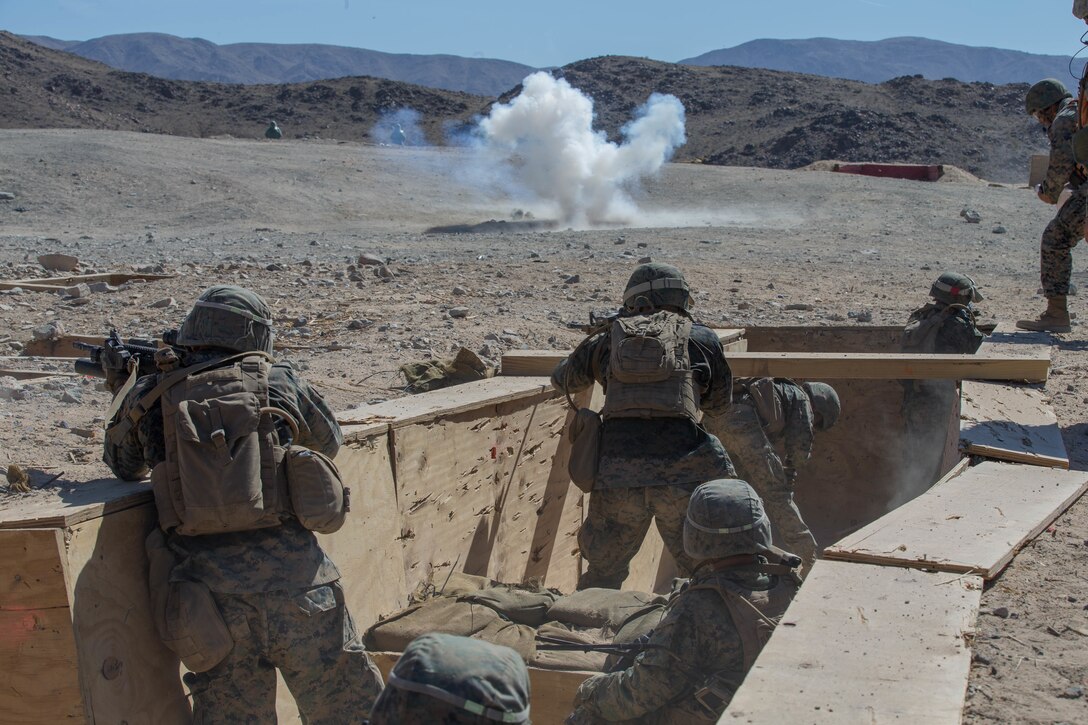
{"x": 449, "y": 616}
{"x": 460, "y": 583}
{"x": 601, "y": 607}
{"x": 518, "y": 605}
{"x": 571, "y": 659}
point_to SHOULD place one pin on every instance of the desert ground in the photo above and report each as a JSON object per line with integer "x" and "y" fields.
{"x": 290, "y": 219}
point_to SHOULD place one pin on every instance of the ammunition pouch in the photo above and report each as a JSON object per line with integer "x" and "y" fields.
{"x": 186, "y": 616}
{"x": 318, "y": 497}
{"x": 585, "y": 444}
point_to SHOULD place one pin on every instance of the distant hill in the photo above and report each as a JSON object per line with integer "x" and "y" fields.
{"x": 194, "y": 59}
{"x": 735, "y": 116}
{"x": 881, "y": 60}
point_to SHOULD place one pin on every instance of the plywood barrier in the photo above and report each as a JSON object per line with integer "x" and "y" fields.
{"x": 1011, "y": 423}
{"x": 975, "y": 523}
{"x": 865, "y": 644}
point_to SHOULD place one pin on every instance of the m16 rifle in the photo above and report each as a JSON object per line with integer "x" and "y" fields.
{"x": 115, "y": 358}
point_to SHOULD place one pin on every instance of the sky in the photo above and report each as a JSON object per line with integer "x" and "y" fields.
{"x": 556, "y": 32}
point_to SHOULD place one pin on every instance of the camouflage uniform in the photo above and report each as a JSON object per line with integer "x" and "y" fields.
{"x": 276, "y": 588}
{"x": 443, "y": 678}
{"x": 754, "y": 453}
{"x": 1066, "y": 229}
{"x": 648, "y": 467}
{"x": 696, "y": 639}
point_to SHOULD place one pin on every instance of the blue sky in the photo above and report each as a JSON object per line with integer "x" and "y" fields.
{"x": 555, "y": 32}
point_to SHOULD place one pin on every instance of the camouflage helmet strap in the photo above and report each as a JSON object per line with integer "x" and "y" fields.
{"x": 654, "y": 284}
{"x": 438, "y": 693}
{"x": 236, "y": 310}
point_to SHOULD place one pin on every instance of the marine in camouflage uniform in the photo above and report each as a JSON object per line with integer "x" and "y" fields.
{"x": 443, "y": 678}
{"x": 945, "y": 326}
{"x": 278, "y": 592}
{"x": 710, "y": 636}
{"x": 1053, "y": 106}
{"x": 648, "y": 466}
{"x": 769, "y": 453}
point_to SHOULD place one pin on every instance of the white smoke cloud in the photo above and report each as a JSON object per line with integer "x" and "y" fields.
{"x": 545, "y": 141}
{"x": 398, "y": 127}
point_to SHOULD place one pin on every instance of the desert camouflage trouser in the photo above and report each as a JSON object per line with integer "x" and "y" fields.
{"x": 310, "y": 637}
{"x": 1060, "y": 236}
{"x": 756, "y": 461}
{"x": 617, "y": 522}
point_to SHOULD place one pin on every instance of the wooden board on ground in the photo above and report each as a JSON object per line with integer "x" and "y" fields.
{"x": 974, "y": 523}
{"x": 448, "y": 401}
{"x": 834, "y": 365}
{"x": 63, "y": 346}
{"x": 1011, "y": 423}
{"x": 37, "y": 376}
{"x": 552, "y": 690}
{"x": 1009, "y": 341}
{"x": 52, "y": 284}
{"x": 68, "y": 502}
{"x": 865, "y": 644}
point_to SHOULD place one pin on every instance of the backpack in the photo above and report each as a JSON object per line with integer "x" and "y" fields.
{"x": 649, "y": 373}
{"x": 920, "y": 333}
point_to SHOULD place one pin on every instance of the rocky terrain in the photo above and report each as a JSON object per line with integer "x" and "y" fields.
{"x": 291, "y": 220}
{"x": 735, "y": 116}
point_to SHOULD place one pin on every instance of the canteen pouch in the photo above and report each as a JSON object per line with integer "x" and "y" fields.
{"x": 585, "y": 443}
{"x": 767, "y": 404}
{"x": 318, "y": 497}
{"x": 186, "y": 616}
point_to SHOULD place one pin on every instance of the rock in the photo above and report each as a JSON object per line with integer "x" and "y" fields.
{"x": 151, "y": 269}
{"x": 460, "y": 291}
{"x": 458, "y": 312}
{"x": 48, "y": 331}
{"x": 164, "y": 303}
{"x": 58, "y": 262}
{"x": 85, "y": 432}
{"x": 1072, "y": 693}
{"x": 645, "y": 260}
{"x": 1002, "y": 612}
{"x": 534, "y": 255}
{"x": 972, "y": 216}
{"x": 981, "y": 659}
{"x": 370, "y": 260}
{"x": 573, "y": 279}
{"x": 77, "y": 291}
{"x": 11, "y": 389}
{"x": 863, "y": 316}
{"x": 744, "y": 305}
{"x": 642, "y": 245}
{"x": 300, "y": 322}
{"x": 274, "y": 267}
{"x": 800, "y": 306}
{"x": 72, "y": 395}
{"x": 6, "y": 196}
{"x": 384, "y": 272}
{"x": 103, "y": 287}
{"x": 360, "y": 324}
{"x": 1000, "y": 229}
{"x": 486, "y": 350}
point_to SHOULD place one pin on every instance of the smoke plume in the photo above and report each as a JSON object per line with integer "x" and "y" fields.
{"x": 545, "y": 141}
{"x": 398, "y": 127}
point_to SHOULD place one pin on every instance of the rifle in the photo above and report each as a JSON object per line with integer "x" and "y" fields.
{"x": 114, "y": 357}
{"x": 624, "y": 653}
{"x": 598, "y": 322}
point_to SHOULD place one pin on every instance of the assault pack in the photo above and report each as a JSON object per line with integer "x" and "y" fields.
{"x": 920, "y": 334}
{"x": 225, "y": 469}
{"x": 649, "y": 373}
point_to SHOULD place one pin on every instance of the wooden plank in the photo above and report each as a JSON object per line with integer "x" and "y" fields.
{"x": 974, "y": 523}
{"x": 366, "y": 549}
{"x": 865, "y": 644}
{"x": 52, "y": 284}
{"x": 39, "y": 680}
{"x": 37, "y": 376}
{"x": 552, "y": 690}
{"x": 126, "y": 672}
{"x": 1012, "y": 423}
{"x": 445, "y": 402}
{"x": 1009, "y": 341}
{"x": 70, "y": 503}
{"x": 62, "y": 347}
{"x": 33, "y": 574}
{"x": 833, "y": 365}
{"x": 470, "y": 487}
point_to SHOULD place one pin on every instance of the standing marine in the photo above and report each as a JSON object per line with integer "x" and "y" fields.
{"x": 239, "y": 585}
{"x": 273, "y": 131}
{"x": 1052, "y": 105}
{"x": 445, "y": 679}
{"x": 659, "y": 370}
{"x": 769, "y": 432}
{"x": 714, "y": 628}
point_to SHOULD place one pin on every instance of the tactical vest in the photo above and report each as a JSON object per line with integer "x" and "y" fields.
{"x": 222, "y": 470}
{"x": 649, "y": 371}
{"x": 920, "y": 334}
{"x": 755, "y": 614}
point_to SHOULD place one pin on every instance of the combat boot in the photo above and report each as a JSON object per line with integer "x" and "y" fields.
{"x": 1054, "y": 319}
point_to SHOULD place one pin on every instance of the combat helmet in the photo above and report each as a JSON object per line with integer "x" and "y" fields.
{"x": 228, "y": 317}
{"x": 657, "y": 285}
{"x": 725, "y": 518}
{"x": 825, "y": 403}
{"x": 444, "y": 675}
{"x": 1045, "y": 94}
{"x": 953, "y": 288}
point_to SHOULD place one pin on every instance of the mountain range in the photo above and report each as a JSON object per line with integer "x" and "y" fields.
{"x": 171, "y": 57}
